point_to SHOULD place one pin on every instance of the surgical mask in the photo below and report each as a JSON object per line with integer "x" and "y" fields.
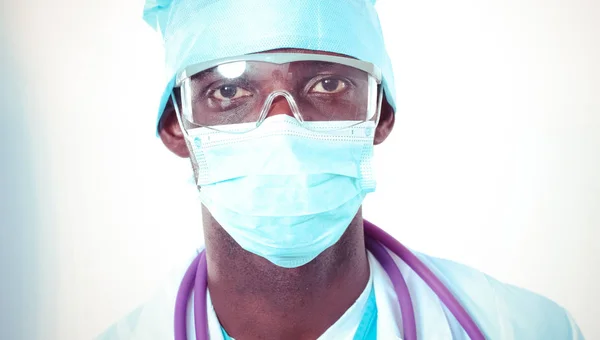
{"x": 286, "y": 190}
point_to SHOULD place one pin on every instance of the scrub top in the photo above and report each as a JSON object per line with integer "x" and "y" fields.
{"x": 502, "y": 311}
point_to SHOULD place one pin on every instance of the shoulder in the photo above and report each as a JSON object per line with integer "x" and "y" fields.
{"x": 154, "y": 318}
{"x": 504, "y": 311}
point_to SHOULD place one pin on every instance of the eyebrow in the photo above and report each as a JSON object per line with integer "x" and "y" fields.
{"x": 323, "y": 64}
{"x": 313, "y": 66}
{"x": 203, "y": 75}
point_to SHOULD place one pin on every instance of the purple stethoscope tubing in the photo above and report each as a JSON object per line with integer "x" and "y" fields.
{"x": 189, "y": 283}
{"x": 406, "y": 307}
{"x": 442, "y": 292}
{"x": 195, "y": 280}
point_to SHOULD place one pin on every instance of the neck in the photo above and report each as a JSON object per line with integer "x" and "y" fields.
{"x": 255, "y": 299}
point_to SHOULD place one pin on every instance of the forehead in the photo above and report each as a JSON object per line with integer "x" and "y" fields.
{"x": 283, "y": 63}
{"x": 296, "y": 71}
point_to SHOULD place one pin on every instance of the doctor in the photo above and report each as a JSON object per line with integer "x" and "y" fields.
{"x": 278, "y": 104}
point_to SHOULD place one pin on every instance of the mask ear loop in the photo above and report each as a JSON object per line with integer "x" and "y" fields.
{"x": 184, "y": 130}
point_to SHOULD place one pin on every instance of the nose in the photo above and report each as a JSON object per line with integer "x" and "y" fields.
{"x": 280, "y": 105}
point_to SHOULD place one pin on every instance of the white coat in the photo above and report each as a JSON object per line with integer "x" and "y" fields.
{"x": 502, "y": 311}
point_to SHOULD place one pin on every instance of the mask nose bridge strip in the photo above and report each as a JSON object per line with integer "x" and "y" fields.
{"x": 269, "y": 102}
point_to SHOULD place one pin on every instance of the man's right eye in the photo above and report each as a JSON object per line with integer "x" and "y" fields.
{"x": 229, "y": 92}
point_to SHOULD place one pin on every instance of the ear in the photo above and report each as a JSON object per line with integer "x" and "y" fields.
{"x": 386, "y": 122}
{"x": 170, "y": 131}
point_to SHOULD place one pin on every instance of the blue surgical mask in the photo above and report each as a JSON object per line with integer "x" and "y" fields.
{"x": 282, "y": 191}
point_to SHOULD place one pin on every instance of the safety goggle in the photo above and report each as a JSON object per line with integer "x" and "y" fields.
{"x": 246, "y": 90}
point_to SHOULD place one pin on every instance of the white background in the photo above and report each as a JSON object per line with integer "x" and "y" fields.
{"x": 494, "y": 160}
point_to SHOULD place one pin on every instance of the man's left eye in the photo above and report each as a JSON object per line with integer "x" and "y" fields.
{"x": 329, "y": 86}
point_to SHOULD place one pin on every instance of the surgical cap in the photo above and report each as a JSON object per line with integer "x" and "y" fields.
{"x": 195, "y": 31}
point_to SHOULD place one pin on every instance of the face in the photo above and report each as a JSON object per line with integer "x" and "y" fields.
{"x": 173, "y": 138}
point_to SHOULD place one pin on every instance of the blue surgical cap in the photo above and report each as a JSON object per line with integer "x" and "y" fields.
{"x": 196, "y": 31}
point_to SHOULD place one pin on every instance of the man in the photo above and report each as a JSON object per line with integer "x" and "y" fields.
{"x": 278, "y": 104}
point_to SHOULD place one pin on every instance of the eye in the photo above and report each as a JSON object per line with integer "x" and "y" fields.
{"x": 329, "y": 86}
{"x": 230, "y": 92}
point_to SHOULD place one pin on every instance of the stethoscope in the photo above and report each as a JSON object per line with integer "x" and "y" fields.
{"x": 195, "y": 280}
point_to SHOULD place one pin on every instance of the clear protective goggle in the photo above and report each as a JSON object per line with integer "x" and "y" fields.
{"x": 245, "y": 90}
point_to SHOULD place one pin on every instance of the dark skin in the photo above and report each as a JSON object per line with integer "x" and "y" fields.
{"x": 255, "y": 299}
